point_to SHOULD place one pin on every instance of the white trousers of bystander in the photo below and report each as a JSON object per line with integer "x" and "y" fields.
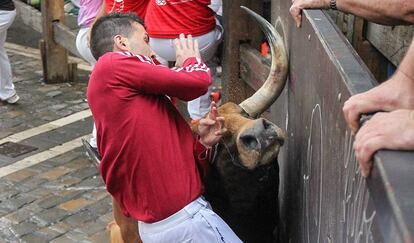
{"x": 196, "y": 222}
{"x": 6, "y": 85}
{"x": 208, "y": 43}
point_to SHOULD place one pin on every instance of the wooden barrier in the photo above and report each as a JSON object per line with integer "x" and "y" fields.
{"x": 323, "y": 197}
{"x": 57, "y": 40}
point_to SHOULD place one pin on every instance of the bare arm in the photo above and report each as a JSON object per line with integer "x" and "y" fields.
{"x": 395, "y": 93}
{"x": 388, "y": 12}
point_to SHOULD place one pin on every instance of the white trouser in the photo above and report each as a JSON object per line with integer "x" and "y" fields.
{"x": 85, "y": 52}
{"x": 6, "y": 84}
{"x": 83, "y": 46}
{"x": 208, "y": 43}
{"x": 196, "y": 223}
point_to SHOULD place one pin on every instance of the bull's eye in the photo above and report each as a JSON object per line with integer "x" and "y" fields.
{"x": 249, "y": 142}
{"x": 266, "y": 124}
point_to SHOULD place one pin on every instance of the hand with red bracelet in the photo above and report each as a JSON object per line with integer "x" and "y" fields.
{"x": 211, "y": 128}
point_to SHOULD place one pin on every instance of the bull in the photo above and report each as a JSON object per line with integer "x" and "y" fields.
{"x": 243, "y": 183}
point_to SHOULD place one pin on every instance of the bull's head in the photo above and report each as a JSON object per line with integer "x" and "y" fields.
{"x": 252, "y": 142}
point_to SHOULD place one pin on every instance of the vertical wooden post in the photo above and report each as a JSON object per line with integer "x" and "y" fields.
{"x": 54, "y": 57}
{"x": 374, "y": 60}
{"x": 238, "y": 28}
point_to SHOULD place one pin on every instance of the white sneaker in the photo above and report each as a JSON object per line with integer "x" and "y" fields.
{"x": 13, "y": 99}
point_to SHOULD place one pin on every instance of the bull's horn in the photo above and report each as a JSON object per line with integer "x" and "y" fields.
{"x": 273, "y": 86}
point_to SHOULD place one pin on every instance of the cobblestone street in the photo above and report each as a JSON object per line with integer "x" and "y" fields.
{"x": 49, "y": 190}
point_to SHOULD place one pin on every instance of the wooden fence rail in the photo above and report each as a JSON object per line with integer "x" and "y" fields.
{"x": 57, "y": 40}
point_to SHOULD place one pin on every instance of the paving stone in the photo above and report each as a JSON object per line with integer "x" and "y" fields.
{"x": 62, "y": 239}
{"x": 76, "y": 236}
{"x": 24, "y": 228}
{"x": 4, "y": 134}
{"x": 48, "y": 217}
{"x": 54, "y": 200}
{"x": 13, "y": 114}
{"x": 98, "y": 195}
{"x": 63, "y": 159}
{"x": 58, "y": 107}
{"x": 80, "y": 218}
{"x": 60, "y": 227}
{"x": 108, "y": 217}
{"x": 53, "y": 94}
{"x": 54, "y": 173}
{"x": 75, "y": 101}
{"x": 94, "y": 182}
{"x": 90, "y": 228}
{"x": 101, "y": 207}
{"x": 64, "y": 113}
{"x": 21, "y": 175}
{"x": 47, "y": 88}
{"x": 30, "y": 184}
{"x": 8, "y": 235}
{"x": 75, "y": 204}
{"x": 85, "y": 172}
{"x": 23, "y": 214}
{"x": 67, "y": 181}
{"x": 7, "y": 193}
{"x": 16, "y": 202}
{"x": 48, "y": 233}
{"x": 100, "y": 237}
{"x": 10, "y": 123}
{"x": 34, "y": 238}
{"x": 78, "y": 164}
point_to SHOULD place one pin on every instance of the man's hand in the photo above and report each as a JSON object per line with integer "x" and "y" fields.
{"x": 211, "y": 128}
{"x": 299, "y": 5}
{"x": 385, "y": 130}
{"x": 185, "y": 48}
{"x": 396, "y": 93}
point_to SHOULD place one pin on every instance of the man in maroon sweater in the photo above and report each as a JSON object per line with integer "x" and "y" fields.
{"x": 148, "y": 150}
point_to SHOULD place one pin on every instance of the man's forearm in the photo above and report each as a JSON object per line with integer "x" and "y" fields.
{"x": 387, "y": 12}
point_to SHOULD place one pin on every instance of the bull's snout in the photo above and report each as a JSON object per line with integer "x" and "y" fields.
{"x": 259, "y": 136}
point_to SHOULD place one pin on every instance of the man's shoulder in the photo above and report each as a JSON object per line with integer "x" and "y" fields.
{"x": 125, "y": 56}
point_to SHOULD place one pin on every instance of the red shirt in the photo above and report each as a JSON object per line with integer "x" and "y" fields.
{"x": 169, "y": 18}
{"x": 139, "y": 7}
{"x": 148, "y": 160}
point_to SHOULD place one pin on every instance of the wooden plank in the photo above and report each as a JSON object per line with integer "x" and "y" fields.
{"x": 29, "y": 15}
{"x": 55, "y": 57}
{"x": 391, "y": 41}
{"x": 238, "y": 28}
{"x": 65, "y": 37}
{"x": 254, "y": 68}
{"x": 374, "y": 60}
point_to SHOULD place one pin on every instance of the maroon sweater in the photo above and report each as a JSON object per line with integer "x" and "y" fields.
{"x": 148, "y": 159}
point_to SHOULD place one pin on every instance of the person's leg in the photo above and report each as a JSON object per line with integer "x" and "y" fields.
{"x": 196, "y": 222}
{"x": 7, "y": 91}
{"x": 126, "y": 227}
{"x": 208, "y": 45}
